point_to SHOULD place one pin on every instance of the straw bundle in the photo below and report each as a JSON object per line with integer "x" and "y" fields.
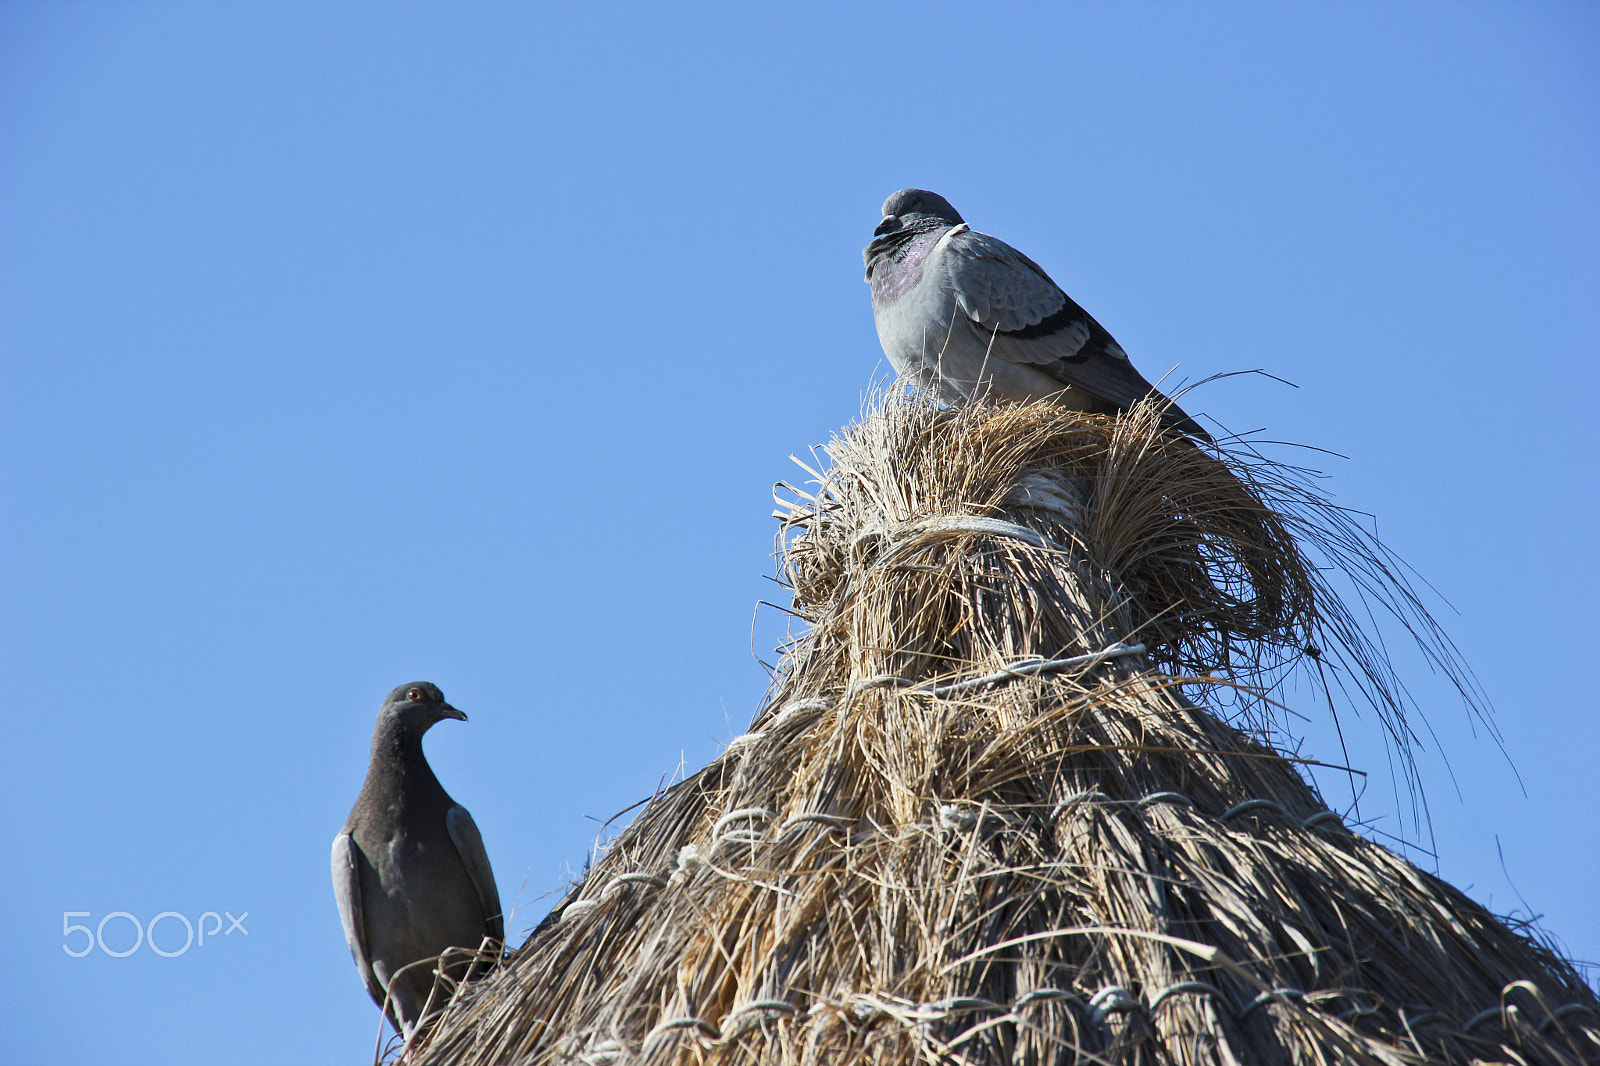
{"x": 979, "y": 820}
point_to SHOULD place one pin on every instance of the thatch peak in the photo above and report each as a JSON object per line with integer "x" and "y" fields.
{"x": 980, "y": 821}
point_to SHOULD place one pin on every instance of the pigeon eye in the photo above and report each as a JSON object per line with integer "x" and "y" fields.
{"x": 414, "y": 695}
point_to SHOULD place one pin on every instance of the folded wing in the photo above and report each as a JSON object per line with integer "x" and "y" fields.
{"x": 1024, "y": 317}
{"x": 469, "y": 844}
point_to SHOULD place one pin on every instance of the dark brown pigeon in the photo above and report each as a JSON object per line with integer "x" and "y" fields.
{"x": 409, "y": 870}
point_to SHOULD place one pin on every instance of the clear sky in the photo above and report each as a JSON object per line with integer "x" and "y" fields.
{"x": 343, "y": 345}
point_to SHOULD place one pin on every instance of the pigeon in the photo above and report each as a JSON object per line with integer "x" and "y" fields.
{"x": 964, "y": 315}
{"x": 409, "y": 870}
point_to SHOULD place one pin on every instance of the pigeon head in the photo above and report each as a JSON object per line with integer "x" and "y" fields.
{"x": 919, "y": 205}
{"x": 417, "y": 706}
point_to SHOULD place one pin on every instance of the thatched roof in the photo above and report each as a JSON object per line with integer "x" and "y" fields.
{"x": 981, "y": 819}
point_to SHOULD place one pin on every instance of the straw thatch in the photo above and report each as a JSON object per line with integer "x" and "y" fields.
{"x": 981, "y": 821}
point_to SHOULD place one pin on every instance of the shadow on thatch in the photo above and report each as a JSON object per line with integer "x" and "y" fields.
{"x": 979, "y": 821}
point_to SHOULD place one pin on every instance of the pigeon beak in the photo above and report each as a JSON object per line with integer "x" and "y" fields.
{"x": 448, "y": 711}
{"x": 889, "y": 224}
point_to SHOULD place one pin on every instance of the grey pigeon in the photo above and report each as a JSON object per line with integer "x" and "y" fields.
{"x": 409, "y": 869}
{"x": 963, "y": 315}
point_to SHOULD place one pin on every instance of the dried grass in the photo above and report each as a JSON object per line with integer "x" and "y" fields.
{"x": 1079, "y": 866}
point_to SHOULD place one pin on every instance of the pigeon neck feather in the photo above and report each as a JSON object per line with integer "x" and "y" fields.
{"x": 897, "y": 246}
{"x": 398, "y": 760}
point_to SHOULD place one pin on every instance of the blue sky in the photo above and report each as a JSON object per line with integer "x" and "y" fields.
{"x": 348, "y": 345}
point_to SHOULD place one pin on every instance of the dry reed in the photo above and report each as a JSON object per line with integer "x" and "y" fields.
{"x": 980, "y": 820}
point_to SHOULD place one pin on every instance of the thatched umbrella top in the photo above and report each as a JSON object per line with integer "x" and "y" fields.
{"x": 980, "y": 821}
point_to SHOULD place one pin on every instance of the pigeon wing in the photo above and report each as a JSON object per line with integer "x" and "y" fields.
{"x": 469, "y": 844}
{"x": 1001, "y": 290}
{"x": 1024, "y": 317}
{"x": 347, "y": 891}
{"x": 1097, "y": 364}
